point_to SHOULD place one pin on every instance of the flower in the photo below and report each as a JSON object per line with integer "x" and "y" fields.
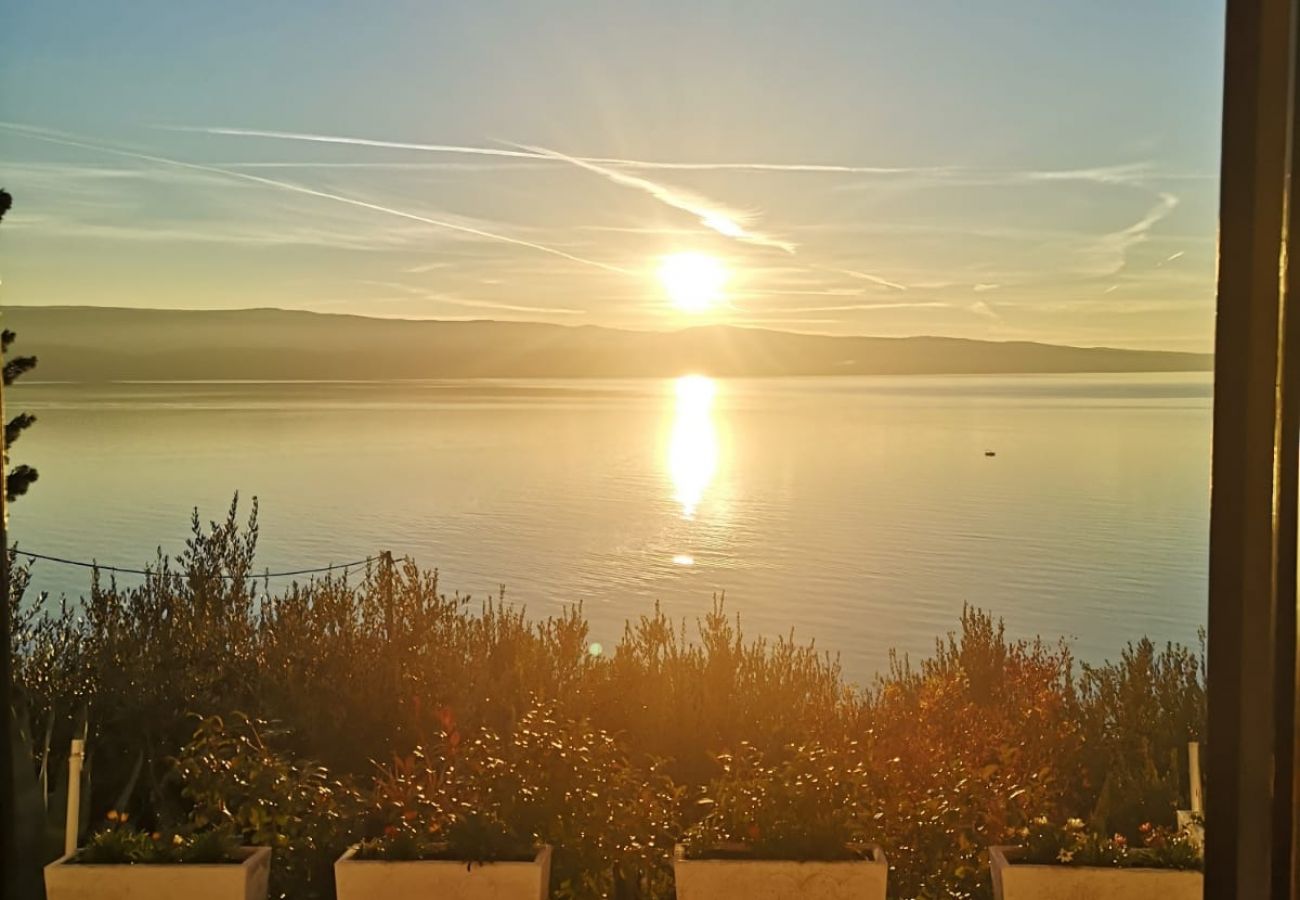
{"x": 177, "y": 840}
{"x": 123, "y": 817}
{"x": 1041, "y": 820}
{"x": 1065, "y": 856}
{"x": 1119, "y": 840}
{"x": 1145, "y": 828}
{"x": 156, "y": 836}
{"x": 1074, "y": 824}
{"x": 112, "y": 815}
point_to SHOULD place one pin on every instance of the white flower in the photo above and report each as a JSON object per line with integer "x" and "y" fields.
{"x": 1065, "y": 856}
{"x": 1074, "y": 824}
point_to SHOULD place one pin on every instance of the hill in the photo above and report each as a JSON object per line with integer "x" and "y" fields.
{"x": 108, "y": 344}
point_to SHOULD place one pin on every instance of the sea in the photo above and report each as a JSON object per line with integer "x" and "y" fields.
{"x": 860, "y": 514}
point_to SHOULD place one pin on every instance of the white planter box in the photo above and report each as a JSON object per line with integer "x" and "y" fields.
{"x": 1021, "y": 881}
{"x": 366, "y": 879}
{"x": 776, "y": 879}
{"x": 243, "y": 880}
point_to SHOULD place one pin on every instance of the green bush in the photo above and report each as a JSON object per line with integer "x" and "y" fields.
{"x": 807, "y": 803}
{"x": 235, "y": 778}
{"x": 953, "y": 752}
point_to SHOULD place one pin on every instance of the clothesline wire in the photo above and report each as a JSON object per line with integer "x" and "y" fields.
{"x": 128, "y": 571}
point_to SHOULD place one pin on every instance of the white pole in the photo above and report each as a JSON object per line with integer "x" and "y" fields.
{"x": 74, "y": 795}
{"x": 1194, "y": 776}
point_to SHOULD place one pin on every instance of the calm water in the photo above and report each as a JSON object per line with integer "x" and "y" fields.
{"x": 860, "y": 512}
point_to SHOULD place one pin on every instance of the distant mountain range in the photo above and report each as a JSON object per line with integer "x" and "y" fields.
{"x": 79, "y": 343}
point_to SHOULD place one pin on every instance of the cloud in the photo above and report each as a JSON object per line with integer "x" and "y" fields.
{"x": 984, "y": 286}
{"x": 72, "y": 141}
{"x": 980, "y": 308}
{"x": 711, "y": 215}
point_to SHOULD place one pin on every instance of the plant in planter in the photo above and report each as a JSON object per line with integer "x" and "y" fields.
{"x": 1066, "y": 861}
{"x": 784, "y": 828}
{"x": 467, "y": 855}
{"x": 479, "y": 816}
{"x": 122, "y": 861}
{"x": 236, "y": 775}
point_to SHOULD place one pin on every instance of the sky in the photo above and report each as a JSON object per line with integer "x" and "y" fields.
{"x": 1009, "y": 170}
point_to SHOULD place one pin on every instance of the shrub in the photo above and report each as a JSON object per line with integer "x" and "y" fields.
{"x": 235, "y": 779}
{"x": 1136, "y": 718}
{"x": 552, "y": 780}
{"x": 981, "y": 737}
{"x": 964, "y": 748}
{"x": 805, "y": 804}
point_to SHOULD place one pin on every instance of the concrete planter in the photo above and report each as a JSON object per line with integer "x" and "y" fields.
{"x": 242, "y": 880}
{"x": 1022, "y": 881}
{"x": 776, "y": 879}
{"x": 364, "y": 879}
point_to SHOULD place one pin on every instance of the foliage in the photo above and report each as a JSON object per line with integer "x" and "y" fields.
{"x": 1072, "y": 844}
{"x": 18, "y": 478}
{"x": 120, "y": 843}
{"x": 551, "y": 780}
{"x": 1137, "y": 717}
{"x": 952, "y": 751}
{"x": 804, "y": 805}
{"x": 963, "y": 747}
{"x": 234, "y": 778}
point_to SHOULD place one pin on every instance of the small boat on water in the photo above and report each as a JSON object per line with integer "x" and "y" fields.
{"x": 990, "y": 453}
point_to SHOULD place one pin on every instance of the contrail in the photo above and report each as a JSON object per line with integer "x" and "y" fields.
{"x": 874, "y": 279}
{"x": 535, "y": 154}
{"x": 57, "y": 138}
{"x": 710, "y": 216}
{"x": 1123, "y": 173}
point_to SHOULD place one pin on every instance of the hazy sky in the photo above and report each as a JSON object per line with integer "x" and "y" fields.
{"x": 1005, "y": 169}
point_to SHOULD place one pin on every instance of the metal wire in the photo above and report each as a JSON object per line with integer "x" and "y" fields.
{"x": 103, "y": 568}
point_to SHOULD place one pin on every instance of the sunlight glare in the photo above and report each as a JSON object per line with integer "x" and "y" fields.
{"x": 694, "y": 281}
{"x": 693, "y": 448}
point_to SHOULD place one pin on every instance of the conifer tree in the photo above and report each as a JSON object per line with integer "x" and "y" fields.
{"x": 20, "y": 477}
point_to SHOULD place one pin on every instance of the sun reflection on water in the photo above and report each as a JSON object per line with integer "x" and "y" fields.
{"x": 693, "y": 447}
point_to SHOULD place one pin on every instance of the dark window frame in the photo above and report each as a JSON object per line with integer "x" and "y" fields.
{"x": 1251, "y": 797}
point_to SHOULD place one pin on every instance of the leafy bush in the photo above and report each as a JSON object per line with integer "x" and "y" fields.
{"x": 1136, "y": 717}
{"x": 979, "y": 738}
{"x": 964, "y": 748}
{"x": 550, "y": 780}
{"x": 807, "y": 804}
{"x": 236, "y": 779}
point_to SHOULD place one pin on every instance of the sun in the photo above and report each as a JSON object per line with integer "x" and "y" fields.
{"x": 694, "y": 281}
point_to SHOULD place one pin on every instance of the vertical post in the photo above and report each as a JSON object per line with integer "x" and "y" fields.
{"x": 1194, "y": 777}
{"x": 72, "y": 825}
{"x": 386, "y": 588}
